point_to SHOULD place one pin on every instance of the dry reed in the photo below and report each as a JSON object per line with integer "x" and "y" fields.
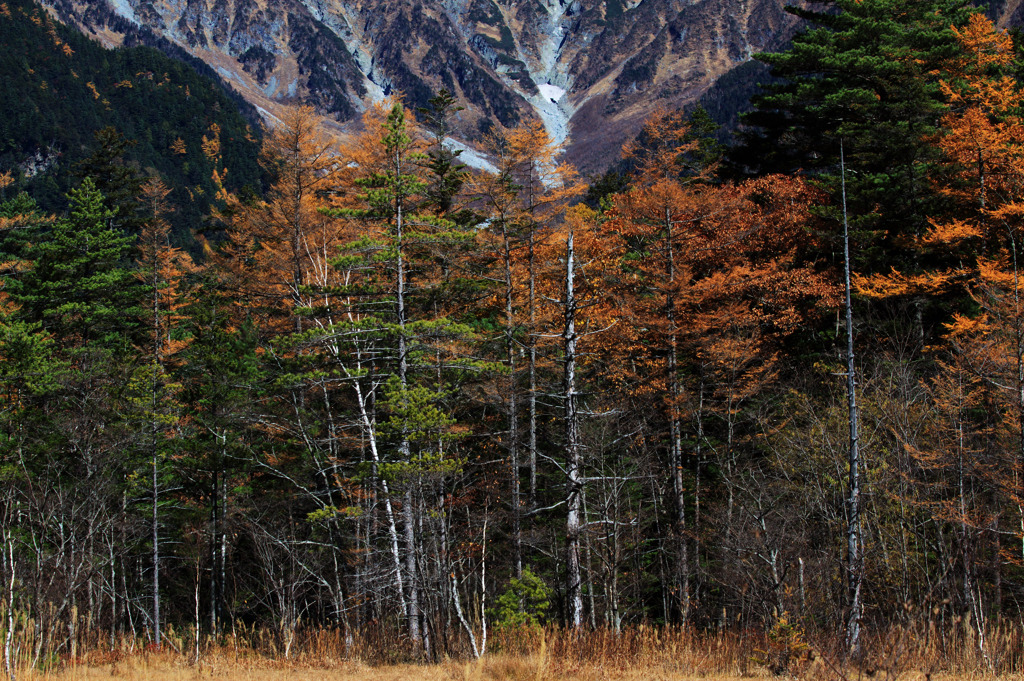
{"x": 915, "y": 651}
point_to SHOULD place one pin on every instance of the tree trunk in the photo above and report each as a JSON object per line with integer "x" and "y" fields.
{"x": 853, "y": 532}
{"x": 531, "y": 342}
{"x": 574, "y": 591}
{"x": 513, "y": 408}
{"x": 675, "y": 427}
{"x": 9, "y": 662}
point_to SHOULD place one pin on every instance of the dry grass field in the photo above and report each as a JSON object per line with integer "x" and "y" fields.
{"x": 491, "y": 668}
{"x": 637, "y": 654}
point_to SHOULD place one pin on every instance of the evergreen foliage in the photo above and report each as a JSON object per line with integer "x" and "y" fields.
{"x": 80, "y": 285}
{"x": 864, "y": 79}
{"x": 525, "y": 602}
{"x": 62, "y": 88}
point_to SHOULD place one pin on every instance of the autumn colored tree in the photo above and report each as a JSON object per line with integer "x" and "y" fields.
{"x": 983, "y": 124}
{"x": 248, "y": 302}
{"x": 580, "y": 265}
{"x": 650, "y": 217}
{"x": 163, "y": 268}
{"x": 281, "y": 245}
{"x": 974, "y": 250}
{"x": 964, "y": 467}
{"x": 982, "y": 145}
{"x": 524, "y": 201}
{"x": 710, "y": 266}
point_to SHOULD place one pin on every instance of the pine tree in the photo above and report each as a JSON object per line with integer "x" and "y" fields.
{"x": 864, "y": 75}
{"x": 80, "y": 287}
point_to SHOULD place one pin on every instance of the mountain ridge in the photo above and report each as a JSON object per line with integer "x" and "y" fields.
{"x": 62, "y": 88}
{"x": 583, "y": 68}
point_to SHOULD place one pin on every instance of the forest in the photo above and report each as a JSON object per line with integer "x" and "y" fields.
{"x": 773, "y": 389}
{"x": 61, "y": 88}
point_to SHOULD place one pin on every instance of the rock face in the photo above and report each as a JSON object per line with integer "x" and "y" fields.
{"x": 590, "y": 69}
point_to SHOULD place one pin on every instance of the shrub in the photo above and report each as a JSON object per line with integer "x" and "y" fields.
{"x": 524, "y": 603}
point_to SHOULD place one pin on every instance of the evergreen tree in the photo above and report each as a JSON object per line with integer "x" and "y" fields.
{"x": 406, "y": 353}
{"x": 447, "y": 174}
{"x": 221, "y": 377}
{"x": 864, "y": 75}
{"x": 80, "y": 286}
{"x": 119, "y": 182}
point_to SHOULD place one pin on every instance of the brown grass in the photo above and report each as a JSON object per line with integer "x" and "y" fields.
{"x": 640, "y": 653}
{"x": 491, "y": 668}
{"x": 498, "y": 667}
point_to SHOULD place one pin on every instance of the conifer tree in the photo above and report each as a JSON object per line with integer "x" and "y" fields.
{"x": 162, "y": 268}
{"x": 120, "y": 183}
{"x": 405, "y": 348}
{"x": 79, "y": 287}
{"x": 864, "y": 73}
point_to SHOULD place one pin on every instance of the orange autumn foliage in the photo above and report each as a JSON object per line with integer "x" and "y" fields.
{"x": 164, "y": 269}
{"x": 525, "y": 202}
{"x": 280, "y": 246}
{"x": 711, "y": 262}
{"x": 982, "y": 142}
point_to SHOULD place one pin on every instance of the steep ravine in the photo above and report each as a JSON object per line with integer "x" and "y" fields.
{"x": 546, "y": 71}
{"x": 590, "y": 70}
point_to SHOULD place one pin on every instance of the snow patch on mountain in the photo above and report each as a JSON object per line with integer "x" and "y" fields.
{"x": 552, "y": 92}
{"x": 554, "y": 116}
{"x": 551, "y": 104}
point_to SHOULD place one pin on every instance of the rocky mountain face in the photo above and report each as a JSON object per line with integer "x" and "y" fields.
{"x": 590, "y": 69}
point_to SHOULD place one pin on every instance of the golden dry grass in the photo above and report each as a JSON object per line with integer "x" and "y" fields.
{"x": 641, "y": 653}
{"x": 491, "y": 668}
{"x": 151, "y": 666}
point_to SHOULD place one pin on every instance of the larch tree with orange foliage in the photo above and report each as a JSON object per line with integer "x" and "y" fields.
{"x": 163, "y": 268}
{"x": 976, "y": 250}
{"x": 282, "y": 245}
{"x": 984, "y": 144}
{"x": 652, "y": 217}
{"x": 274, "y": 266}
{"x": 522, "y": 200}
{"x": 581, "y": 262}
{"x": 714, "y": 270}
{"x": 964, "y": 463}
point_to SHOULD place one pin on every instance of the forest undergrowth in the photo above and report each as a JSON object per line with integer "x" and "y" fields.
{"x": 921, "y": 650}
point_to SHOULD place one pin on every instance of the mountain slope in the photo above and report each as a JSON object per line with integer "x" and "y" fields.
{"x": 60, "y": 87}
{"x": 589, "y": 70}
